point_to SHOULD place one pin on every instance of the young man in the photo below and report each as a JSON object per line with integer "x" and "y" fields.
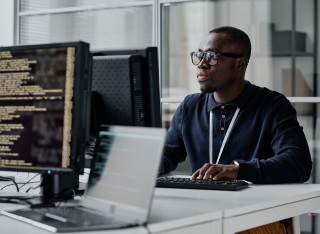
{"x": 234, "y": 129}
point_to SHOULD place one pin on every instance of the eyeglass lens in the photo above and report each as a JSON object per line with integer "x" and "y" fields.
{"x": 210, "y": 57}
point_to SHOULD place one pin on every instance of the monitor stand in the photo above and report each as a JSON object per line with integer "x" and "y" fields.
{"x": 58, "y": 187}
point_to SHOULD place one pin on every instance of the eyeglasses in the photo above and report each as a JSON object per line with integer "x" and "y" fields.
{"x": 210, "y": 57}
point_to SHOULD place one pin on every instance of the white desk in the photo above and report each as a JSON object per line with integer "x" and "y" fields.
{"x": 175, "y": 215}
{"x": 255, "y": 206}
{"x": 202, "y": 211}
{"x": 12, "y": 226}
{"x": 167, "y": 216}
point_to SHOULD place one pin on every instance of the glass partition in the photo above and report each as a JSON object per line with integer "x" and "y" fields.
{"x": 117, "y": 27}
{"x": 282, "y": 42}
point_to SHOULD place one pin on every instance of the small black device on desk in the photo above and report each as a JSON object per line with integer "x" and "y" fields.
{"x": 187, "y": 183}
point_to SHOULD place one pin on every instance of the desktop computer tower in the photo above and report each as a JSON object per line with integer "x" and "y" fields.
{"x": 117, "y": 97}
{"x": 150, "y": 80}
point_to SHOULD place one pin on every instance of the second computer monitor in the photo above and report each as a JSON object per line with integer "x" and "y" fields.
{"x": 125, "y": 88}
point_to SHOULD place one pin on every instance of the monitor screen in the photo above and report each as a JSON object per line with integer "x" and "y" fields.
{"x": 44, "y": 96}
{"x": 125, "y": 85}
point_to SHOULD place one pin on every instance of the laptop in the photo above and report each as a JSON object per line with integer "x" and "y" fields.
{"x": 121, "y": 183}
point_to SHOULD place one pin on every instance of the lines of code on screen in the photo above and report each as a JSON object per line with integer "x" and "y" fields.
{"x": 36, "y": 93}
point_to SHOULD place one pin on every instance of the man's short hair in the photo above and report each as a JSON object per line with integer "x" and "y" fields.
{"x": 237, "y": 36}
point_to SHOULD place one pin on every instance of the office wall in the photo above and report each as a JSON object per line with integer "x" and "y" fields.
{"x": 7, "y": 22}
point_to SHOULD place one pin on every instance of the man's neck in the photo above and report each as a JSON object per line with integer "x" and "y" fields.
{"x": 225, "y": 96}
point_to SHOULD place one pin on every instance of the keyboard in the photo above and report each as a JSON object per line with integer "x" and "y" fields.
{"x": 66, "y": 219}
{"x": 187, "y": 183}
{"x": 76, "y": 215}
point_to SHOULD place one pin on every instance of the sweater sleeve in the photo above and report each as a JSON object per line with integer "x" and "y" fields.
{"x": 174, "y": 151}
{"x": 291, "y": 162}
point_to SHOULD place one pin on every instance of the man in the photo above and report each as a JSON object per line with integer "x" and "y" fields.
{"x": 234, "y": 129}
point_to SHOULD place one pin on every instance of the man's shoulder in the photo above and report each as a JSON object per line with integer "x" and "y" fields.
{"x": 266, "y": 93}
{"x": 268, "y": 99}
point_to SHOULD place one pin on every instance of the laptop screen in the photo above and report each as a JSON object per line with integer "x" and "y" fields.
{"x": 126, "y": 165}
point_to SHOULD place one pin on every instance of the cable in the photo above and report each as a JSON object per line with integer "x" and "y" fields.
{"x": 29, "y": 180}
{"x": 13, "y": 181}
{"x": 17, "y": 200}
{"x": 33, "y": 188}
{"x": 17, "y": 184}
{"x": 39, "y": 185}
{"x": 5, "y": 178}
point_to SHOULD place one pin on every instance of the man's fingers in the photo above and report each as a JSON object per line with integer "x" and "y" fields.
{"x": 211, "y": 172}
{"x": 228, "y": 173}
{"x": 216, "y": 172}
{"x": 195, "y": 175}
{"x": 221, "y": 176}
{"x": 202, "y": 171}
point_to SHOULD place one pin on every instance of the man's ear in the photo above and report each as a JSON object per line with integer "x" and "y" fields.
{"x": 241, "y": 62}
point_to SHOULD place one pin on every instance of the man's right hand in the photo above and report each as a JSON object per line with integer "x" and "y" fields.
{"x": 216, "y": 172}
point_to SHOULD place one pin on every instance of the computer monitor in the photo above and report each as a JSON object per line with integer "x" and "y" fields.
{"x": 45, "y": 95}
{"x": 125, "y": 85}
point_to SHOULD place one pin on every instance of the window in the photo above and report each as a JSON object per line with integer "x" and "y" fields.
{"x": 104, "y": 24}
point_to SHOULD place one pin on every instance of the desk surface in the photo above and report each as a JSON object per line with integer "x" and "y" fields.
{"x": 164, "y": 219}
{"x": 176, "y": 218}
{"x": 11, "y": 226}
{"x": 254, "y": 206}
{"x": 174, "y": 214}
{"x": 181, "y": 210}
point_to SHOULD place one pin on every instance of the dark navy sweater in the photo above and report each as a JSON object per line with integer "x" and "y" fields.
{"x": 266, "y": 139}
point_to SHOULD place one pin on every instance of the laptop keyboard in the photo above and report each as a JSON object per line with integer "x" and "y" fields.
{"x": 76, "y": 216}
{"x": 187, "y": 183}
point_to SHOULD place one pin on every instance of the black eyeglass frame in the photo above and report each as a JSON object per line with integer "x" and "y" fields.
{"x": 215, "y": 56}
